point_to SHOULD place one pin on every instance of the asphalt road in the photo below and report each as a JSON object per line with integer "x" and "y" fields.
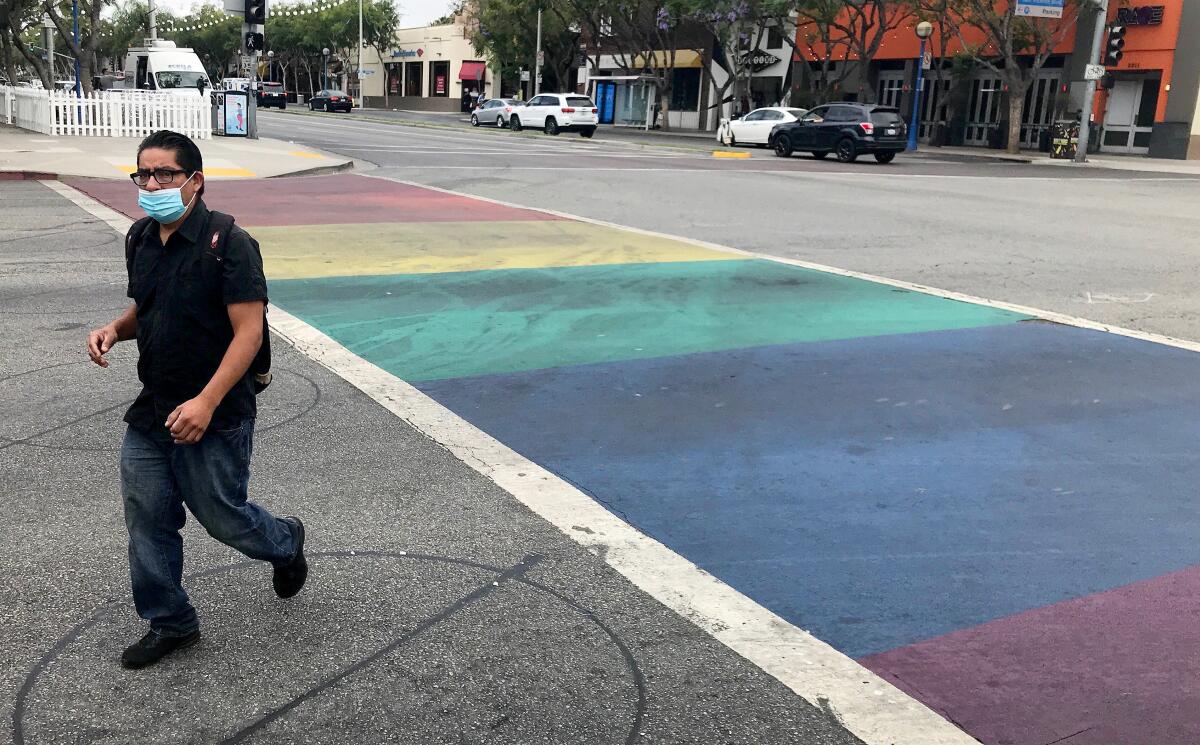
{"x": 1118, "y": 247}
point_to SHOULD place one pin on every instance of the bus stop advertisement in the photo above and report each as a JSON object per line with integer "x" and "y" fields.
{"x": 231, "y": 113}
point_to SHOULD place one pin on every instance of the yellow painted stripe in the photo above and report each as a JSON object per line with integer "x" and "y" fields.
{"x": 209, "y": 172}
{"x": 307, "y": 251}
{"x": 306, "y": 154}
{"x": 729, "y": 154}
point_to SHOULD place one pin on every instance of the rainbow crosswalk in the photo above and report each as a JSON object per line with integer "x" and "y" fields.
{"x": 982, "y": 508}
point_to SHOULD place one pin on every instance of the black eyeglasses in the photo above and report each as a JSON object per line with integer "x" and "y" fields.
{"x": 163, "y": 176}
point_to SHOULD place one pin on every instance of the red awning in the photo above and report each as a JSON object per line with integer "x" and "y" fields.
{"x": 472, "y": 71}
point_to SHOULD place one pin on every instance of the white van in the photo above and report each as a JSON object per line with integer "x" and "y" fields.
{"x": 161, "y": 66}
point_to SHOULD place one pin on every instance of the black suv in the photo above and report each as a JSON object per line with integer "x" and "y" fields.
{"x": 848, "y": 129}
{"x": 271, "y": 94}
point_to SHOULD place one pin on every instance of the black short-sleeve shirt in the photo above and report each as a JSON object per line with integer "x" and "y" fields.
{"x": 183, "y": 328}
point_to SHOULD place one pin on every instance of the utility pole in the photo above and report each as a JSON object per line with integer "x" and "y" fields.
{"x": 153, "y": 24}
{"x": 75, "y": 34}
{"x": 360, "y": 54}
{"x": 537, "y": 62}
{"x": 1089, "y": 93}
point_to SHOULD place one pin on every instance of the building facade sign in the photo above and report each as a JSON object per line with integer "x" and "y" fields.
{"x": 401, "y": 53}
{"x": 1142, "y": 15}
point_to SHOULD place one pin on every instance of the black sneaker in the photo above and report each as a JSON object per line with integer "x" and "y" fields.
{"x": 289, "y": 578}
{"x": 153, "y": 647}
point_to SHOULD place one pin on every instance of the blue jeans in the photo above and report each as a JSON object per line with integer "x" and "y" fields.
{"x": 211, "y": 477}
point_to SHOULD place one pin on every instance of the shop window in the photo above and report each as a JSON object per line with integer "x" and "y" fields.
{"x": 394, "y": 73}
{"x": 412, "y": 79}
{"x": 439, "y": 79}
{"x": 774, "y": 38}
{"x": 685, "y": 90}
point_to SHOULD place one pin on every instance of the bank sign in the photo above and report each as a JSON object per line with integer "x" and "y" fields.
{"x": 1040, "y": 8}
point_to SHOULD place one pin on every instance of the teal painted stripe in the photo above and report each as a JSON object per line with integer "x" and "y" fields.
{"x": 437, "y": 326}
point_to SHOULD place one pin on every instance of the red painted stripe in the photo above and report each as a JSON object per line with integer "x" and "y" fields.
{"x": 343, "y": 199}
{"x": 1122, "y": 667}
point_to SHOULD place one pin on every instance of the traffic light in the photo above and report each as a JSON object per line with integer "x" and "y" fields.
{"x": 256, "y": 11}
{"x": 255, "y": 42}
{"x": 1116, "y": 42}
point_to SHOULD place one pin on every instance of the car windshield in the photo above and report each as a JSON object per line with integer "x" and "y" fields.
{"x": 337, "y": 93}
{"x": 513, "y": 102}
{"x": 272, "y": 86}
{"x": 581, "y": 101}
{"x": 180, "y": 79}
{"x": 885, "y": 117}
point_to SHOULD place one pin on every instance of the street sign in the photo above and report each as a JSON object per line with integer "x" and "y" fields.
{"x": 541, "y": 57}
{"x": 524, "y": 76}
{"x": 366, "y": 72}
{"x": 1094, "y": 72}
{"x": 927, "y": 60}
{"x": 246, "y": 64}
{"x": 1040, "y": 8}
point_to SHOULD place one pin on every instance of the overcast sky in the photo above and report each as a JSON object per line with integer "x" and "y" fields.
{"x": 412, "y": 12}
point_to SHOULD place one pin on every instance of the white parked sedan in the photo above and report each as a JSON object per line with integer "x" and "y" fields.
{"x": 754, "y": 128}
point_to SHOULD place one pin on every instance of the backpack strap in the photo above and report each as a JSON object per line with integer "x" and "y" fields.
{"x": 135, "y": 236}
{"x": 220, "y": 225}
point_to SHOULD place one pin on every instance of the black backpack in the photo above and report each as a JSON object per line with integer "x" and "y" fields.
{"x": 219, "y": 226}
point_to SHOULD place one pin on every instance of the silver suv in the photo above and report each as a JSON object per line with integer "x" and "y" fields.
{"x": 557, "y": 112}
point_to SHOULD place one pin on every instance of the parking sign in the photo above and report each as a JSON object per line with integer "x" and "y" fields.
{"x": 1040, "y": 8}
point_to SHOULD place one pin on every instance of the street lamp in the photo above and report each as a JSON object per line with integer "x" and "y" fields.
{"x": 924, "y": 31}
{"x": 271, "y": 64}
{"x": 325, "y": 69}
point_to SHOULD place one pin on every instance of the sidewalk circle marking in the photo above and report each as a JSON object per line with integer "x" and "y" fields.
{"x": 497, "y": 578}
{"x": 275, "y": 410}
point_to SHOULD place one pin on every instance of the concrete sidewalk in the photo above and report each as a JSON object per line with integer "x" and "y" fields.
{"x": 24, "y": 153}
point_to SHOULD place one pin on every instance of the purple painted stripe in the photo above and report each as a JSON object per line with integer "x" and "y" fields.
{"x": 1117, "y": 668}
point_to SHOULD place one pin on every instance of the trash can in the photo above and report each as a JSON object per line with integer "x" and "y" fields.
{"x": 1064, "y": 139}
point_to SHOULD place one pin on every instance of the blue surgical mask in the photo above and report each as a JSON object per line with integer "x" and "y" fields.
{"x": 164, "y": 205}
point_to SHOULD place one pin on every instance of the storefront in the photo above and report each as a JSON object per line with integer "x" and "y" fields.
{"x": 630, "y": 100}
{"x": 432, "y": 68}
{"x": 1146, "y": 105}
{"x": 1141, "y": 110}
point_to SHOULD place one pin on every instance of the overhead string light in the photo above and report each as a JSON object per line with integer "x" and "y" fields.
{"x": 170, "y": 23}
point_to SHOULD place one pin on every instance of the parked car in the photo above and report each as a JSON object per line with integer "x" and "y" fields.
{"x": 331, "y": 100}
{"x": 557, "y": 112}
{"x": 755, "y": 128}
{"x": 271, "y": 94}
{"x": 495, "y": 111}
{"x": 846, "y": 129}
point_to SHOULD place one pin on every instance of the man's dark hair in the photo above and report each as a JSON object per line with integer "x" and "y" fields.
{"x": 187, "y": 154}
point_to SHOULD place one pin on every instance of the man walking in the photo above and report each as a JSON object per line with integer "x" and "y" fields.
{"x": 198, "y": 294}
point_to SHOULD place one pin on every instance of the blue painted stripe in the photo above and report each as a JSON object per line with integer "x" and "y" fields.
{"x": 887, "y": 490}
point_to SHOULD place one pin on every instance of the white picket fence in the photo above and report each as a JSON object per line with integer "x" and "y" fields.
{"x": 106, "y": 113}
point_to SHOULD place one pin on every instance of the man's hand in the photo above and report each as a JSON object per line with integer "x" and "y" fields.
{"x": 99, "y": 342}
{"x": 189, "y": 421}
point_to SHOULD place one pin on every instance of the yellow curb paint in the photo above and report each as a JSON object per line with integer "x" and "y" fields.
{"x": 209, "y": 172}
{"x": 729, "y": 154}
{"x": 304, "y": 154}
{"x": 310, "y": 251}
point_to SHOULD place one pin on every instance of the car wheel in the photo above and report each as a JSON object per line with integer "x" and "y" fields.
{"x": 515, "y": 123}
{"x": 783, "y": 146}
{"x": 847, "y": 151}
{"x": 329, "y": 108}
{"x": 820, "y": 154}
{"x": 551, "y": 127}
{"x": 732, "y": 141}
{"x": 312, "y": 106}
{"x": 283, "y": 107}
{"x": 587, "y": 132}
{"x": 474, "y": 121}
{"x": 885, "y": 157}
{"x": 499, "y": 122}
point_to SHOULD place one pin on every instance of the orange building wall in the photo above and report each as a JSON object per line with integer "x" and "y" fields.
{"x": 1146, "y": 47}
{"x": 1149, "y": 48}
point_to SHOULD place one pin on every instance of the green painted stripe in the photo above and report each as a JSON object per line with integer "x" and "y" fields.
{"x": 435, "y": 326}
